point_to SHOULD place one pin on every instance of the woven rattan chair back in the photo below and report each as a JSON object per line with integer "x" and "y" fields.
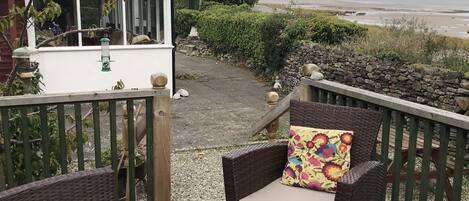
{"x": 364, "y": 123}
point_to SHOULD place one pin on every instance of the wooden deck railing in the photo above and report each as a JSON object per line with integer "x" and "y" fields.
{"x": 34, "y": 157}
{"x": 410, "y": 132}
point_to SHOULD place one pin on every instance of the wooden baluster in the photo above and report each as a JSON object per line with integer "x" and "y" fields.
{"x": 125, "y": 152}
{"x": 113, "y": 139}
{"x": 271, "y": 101}
{"x": 7, "y": 143}
{"x": 79, "y": 137}
{"x": 62, "y": 138}
{"x": 149, "y": 148}
{"x": 128, "y": 140}
{"x": 45, "y": 141}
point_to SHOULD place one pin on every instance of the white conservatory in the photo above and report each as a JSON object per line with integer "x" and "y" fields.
{"x": 73, "y": 63}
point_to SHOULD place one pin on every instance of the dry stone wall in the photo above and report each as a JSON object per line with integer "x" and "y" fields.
{"x": 436, "y": 87}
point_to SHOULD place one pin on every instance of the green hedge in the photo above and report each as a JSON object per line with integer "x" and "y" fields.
{"x": 185, "y": 19}
{"x": 190, "y": 4}
{"x": 324, "y": 29}
{"x": 265, "y": 38}
{"x": 236, "y": 2}
{"x": 253, "y": 35}
{"x": 333, "y": 30}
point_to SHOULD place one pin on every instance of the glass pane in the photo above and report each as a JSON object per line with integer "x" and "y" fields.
{"x": 104, "y": 18}
{"x": 50, "y": 30}
{"x": 144, "y": 21}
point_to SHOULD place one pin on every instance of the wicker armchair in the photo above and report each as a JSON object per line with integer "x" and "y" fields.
{"x": 90, "y": 185}
{"x": 257, "y": 168}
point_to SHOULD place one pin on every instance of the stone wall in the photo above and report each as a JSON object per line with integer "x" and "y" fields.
{"x": 431, "y": 86}
{"x": 436, "y": 87}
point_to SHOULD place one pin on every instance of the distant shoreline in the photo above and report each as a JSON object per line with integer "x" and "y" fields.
{"x": 449, "y": 22}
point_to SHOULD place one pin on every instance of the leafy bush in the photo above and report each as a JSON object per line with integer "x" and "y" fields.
{"x": 237, "y": 2}
{"x": 185, "y": 19}
{"x": 190, "y": 4}
{"x": 334, "y": 30}
{"x": 35, "y": 135}
{"x": 253, "y": 35}
{"x": 207, "y": 4}
{"x": 181, "y": 4}
{"x": 265, "y": 38}
{"x": 297, "y": 30}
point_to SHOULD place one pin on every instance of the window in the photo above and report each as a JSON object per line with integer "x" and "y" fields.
{"x": 89, "y": 21}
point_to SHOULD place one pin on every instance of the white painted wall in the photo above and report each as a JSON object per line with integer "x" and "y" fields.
{"x": 76, "y": 69}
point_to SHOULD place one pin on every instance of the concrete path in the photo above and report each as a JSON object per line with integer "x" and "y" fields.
{"x": 224, "y": 101}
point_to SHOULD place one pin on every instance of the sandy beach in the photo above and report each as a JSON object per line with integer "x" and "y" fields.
{"x": 449, "y": 17}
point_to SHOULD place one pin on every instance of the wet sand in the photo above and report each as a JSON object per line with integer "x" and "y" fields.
{"x": 447, "y": 20}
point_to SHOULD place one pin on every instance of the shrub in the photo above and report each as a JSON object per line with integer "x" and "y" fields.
{"x": 34, "y": 128}
{"x": 207, "y": 4}
{"x": 237, "y": 2}
{"x": 190, "y": 4}
{"x": 180, "y": 4}
{"x": 323, "y": 29}
{"x": 185, "y": 19}
{"x": 253, "y": 35}
{"x": 265, "y": 38}
{"x": 327, "y": 29}
{"x": 297, "y": 30}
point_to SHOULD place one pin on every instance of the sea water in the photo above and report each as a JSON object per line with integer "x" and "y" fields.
{"x": 419, "y": 5}
{"x": 447, "y": 6}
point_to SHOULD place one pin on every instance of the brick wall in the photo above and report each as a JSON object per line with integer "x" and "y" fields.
{"x": 5, "y": 54}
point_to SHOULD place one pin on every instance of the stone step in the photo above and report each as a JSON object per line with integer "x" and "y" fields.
{"x": 189, "y": 48}
{"x": 182, "y": 51}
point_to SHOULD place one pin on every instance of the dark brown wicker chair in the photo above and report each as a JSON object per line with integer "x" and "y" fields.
{"x": 250, "y": 169}
{"x": 93, "y": 185}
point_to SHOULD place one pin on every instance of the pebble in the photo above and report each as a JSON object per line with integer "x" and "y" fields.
{"x": 183, "y": 92}
{"x": 316, "y": 75}
{"x": 177, "y": 96}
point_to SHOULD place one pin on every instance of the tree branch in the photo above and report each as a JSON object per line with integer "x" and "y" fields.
{"x": 25, "y": 21}
{"x": 45, "y": 42}
{"x": 12, "y": 75}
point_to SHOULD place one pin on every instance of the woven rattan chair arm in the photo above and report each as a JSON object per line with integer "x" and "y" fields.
{"x": 364, "y": 182}
{"x": 249, "y": 169}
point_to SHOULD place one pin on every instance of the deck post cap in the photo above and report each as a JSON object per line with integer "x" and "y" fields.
{"x": 159, "y": 80}
{"x": 271, "y": 97}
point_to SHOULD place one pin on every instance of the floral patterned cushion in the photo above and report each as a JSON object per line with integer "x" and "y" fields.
{"x": 317, "y": 158}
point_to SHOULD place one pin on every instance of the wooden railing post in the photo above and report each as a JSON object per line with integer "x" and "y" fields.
{"x": 161, "y": 139}
{"x": 271, "y": 99}
{"x": 306, "y": 93}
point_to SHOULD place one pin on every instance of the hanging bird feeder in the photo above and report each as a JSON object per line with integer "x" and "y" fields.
{"x": 105, "y": 55}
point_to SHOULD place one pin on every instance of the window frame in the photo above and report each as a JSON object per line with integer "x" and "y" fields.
{"x": 166, "y": 42}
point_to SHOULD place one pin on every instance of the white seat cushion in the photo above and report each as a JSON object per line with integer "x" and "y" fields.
{"x": 276, "y": 191}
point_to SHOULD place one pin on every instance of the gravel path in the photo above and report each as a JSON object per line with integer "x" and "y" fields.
{"x": 197, "y": 175}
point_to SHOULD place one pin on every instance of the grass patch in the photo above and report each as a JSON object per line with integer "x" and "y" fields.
{"x": 305, "y": 12}
{"x": 412, "y": 41}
